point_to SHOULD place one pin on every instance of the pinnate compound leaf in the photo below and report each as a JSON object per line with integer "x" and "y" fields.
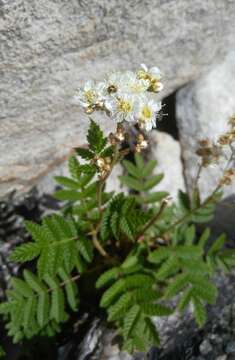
{"x": 25, "y": 252}
{"x": 96, "y": 138}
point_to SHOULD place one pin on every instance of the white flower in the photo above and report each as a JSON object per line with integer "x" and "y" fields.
{"x": 124, "y": 96}
{"x": 114, "y": 82}
{"x": 153, "y": 71}
{"x": 153, "y": 75}
{"x": 132, "y": 84}
{"x": 126, "y": 82}
{"x": 147, "y": 114}
{"x": 91, "y": 94}
{"x": 122, "y": 108}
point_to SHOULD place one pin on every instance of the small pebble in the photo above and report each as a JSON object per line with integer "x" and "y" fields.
{"x": 230, "y": 348}
{"x": 221, "y": 357}
{"x": 205, "y": 347}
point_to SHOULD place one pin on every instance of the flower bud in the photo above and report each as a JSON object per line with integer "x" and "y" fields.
{"x": 141, "y": 143}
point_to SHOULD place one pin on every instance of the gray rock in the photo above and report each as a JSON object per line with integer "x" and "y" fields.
{"x": 49, "y": 47}
{"x": 205, "y": 347}
{"x": 203, "y": 109}
{"x": 167, "y": 152}
{"x": 113, "y": 182}
{"x": 230, "y": 348}
{"x": 111, "y": 350}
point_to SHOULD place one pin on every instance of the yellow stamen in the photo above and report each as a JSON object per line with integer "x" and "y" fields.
{"x": 146, "y": 112}
{"x": 124, "y": 106}
{"x": 90, "y": 96}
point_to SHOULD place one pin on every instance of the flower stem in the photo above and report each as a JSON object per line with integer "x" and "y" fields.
{"x": 153, "y": 220}
{"x": 98, "y": 245}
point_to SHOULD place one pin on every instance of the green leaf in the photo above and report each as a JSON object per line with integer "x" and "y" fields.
{"x": 85, "y": 248}
{"x": 84, "y": 153}
{"x": 126, "y": 228}
{"x": 148, "y": 169}
{"x": 177, "y": 284}
{"x": 188, "y": 251}
{"x": 157, "y": 256}
{"x": 107, "y": 277}
{"x": 79, "y": 263}
{"x": 114, "y": 222}
{"x": 155, "y": 309}
{"x": 190, "y": 235}
{"x": 139, "y": 295}
{"x": 202, "y": 219}
{"x": 199, "y": 311}
{"x": 34, "y": 282}
{"x": 152, "y": 332}
{"x": 57, "y": 305}
{"x": 196, "y": 202}
{"x": 74, "y": 167}
{"x": 204, "y": 238}
{"x": 95, "y": 138}
{"x": 104, "y": 227}
{"x": 119, "y": 308}
{"x": 153, "y": 181}
{"x": 185, "y": 300}
{"x": 208, "y": 293}
{"x": 21, "y": 287}
{"x": 17, "y": 337}
{"x": 107, "y": 152}
{"x": 44, "y": 263}
{"x": 139, "y": 161}
{"x": 138, "y": 280}
{"x": 110, "y": 295}
{"x": 184, "y": 201}
{"x": 217, "y": 245}
{"x": 70, "y": 289}
{"x": 57, "y": 298}
{"x": 5, "y": 308}
{"x": 29, "y": 311}
{"x": 131, "y": 182}
{"x": 88, "y": 169}
{"x": 25, "y": 252}
{"x": 43, "y": 308}
{"x": 152, "y": 197}
{"x": 169, "y": 267}
{"x": 36, "y": 231}
{"x": 129, "y": 262}
{"x": 132, "y": 169}
{"x": 67, "y": 195}
{"x": 130, "y": 319}
{"x": 65, "y": 181}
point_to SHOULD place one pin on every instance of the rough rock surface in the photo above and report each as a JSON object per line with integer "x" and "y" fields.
{"x": 203, "y": 109}
{"x": 167, "y": 152}
{"x": 49, "y": 47}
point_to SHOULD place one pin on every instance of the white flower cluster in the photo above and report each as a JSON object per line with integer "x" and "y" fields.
{"x": 125, "y": 96}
